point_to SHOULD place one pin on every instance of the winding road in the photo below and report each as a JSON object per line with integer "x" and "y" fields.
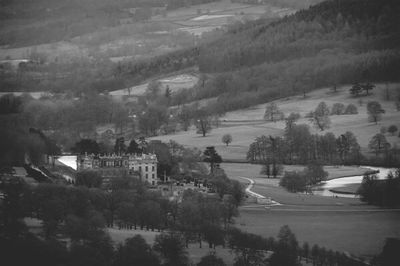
{"x": 260, "y": 198}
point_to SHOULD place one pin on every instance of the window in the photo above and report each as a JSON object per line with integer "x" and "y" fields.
{"x": 147, "y": 176}
{"x": 152, "y": 176}
{"x": 147, "y": 168}
{"x": 152, "y": 168}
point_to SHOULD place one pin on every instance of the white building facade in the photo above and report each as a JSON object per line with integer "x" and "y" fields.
{"x": 142, "y": 165}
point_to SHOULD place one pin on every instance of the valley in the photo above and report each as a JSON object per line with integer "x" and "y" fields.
{"x": 200, "y": 132}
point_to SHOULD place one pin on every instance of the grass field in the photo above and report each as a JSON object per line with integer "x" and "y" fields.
{"x": 343, "y": 224}
{"x": 269, "y": 187}
{"x": 245, "y": 125}
{"x": 174, "y": 82}
{"x": 361, "y": 233}
{"x": 206, "y": 17}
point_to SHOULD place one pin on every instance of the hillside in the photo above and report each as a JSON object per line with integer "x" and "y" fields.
{"x": 87, "y": 43}
{"x": 331, "y": 43}
{"x": 247, "y": 124}
{"x": 249, "y": 63}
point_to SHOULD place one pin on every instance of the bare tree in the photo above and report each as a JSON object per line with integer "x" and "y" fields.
{"x": 320, "y": 117}
{"x": 272, "y": 112}
{"x": 375, "y": 111}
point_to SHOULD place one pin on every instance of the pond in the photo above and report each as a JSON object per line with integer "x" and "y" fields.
{"x": 340, "y": 184}
{"x": 68, "y": 160}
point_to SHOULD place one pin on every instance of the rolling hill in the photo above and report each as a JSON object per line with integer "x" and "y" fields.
{"x": 246, "y": 124}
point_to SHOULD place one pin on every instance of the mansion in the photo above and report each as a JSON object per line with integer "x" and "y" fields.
{"x": 110, "y": 165}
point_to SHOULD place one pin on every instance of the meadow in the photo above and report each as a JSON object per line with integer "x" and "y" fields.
{"x": 342, "y": 224}
{"x": 175, "y": 83}
{"x": 361, "y": 233}
{"x": 247, "y": 124}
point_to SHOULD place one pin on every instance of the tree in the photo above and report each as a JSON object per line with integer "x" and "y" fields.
{"x": 167, "y": 93}
{"x": 97, "y": 251}
{"x": 184, "y": 117}
{"x": 213, "y": 234}
{"x": 12, "y": 208}
{"x": 211, "y": 260}
{"x": 390, "y": 254}
{"x": 338, "y": 109}
{"x": 227, "y": 138}
{"x": 164, "y": 157}
{"x": 315, "y": 253}
{"x": 392, "y": 129}
{"x": 368, "y": 189}
{"x": 172, "y": 249}
{"x": 86, "y": 146}
{"x": 272, "y": 112}
{"x": 291, "y": 120}
{"x": 356, "y": 89}
{"x": 286, "y": 251}
{"x": 305, "y": 251}
{"x": 237, "y": 192}
{"x": 203, "y": 122}
{"x": 378, "y": 143}
{"x": 315, "y": 172}
{"x": 152, "y": 118}
{"x": 294, "y": 181}
{"x": 153, "y": 89}
{"x": 367, "y": 87}
{"x": 88, "y": 178}
{"x": 133, "y": 147}
{"x": 212, "y": 157}
{"x": 375, "y": 111}
{"x": 320, "y": 117}
{"x": 247, "y": 247}
{"x": 348, "y": 147}
{"x": 120, "y": 147}
{"x": 135, "y": 251}
{"x": 351, "y": 109}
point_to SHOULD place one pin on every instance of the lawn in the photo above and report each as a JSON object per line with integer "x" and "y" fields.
{"x": 358, "y": 123}
{"x": 343, "y": 224}
{"x": 359, "y": 233}
{"x": 253, "y": 170}
{"x": 269, "y": 187}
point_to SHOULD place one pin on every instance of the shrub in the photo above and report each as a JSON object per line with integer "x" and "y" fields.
{"x": 392, "y": 129}
{"x": 351, "y": 109}
{"x": 294, "y": 181}
{"x": 338, "y": 109}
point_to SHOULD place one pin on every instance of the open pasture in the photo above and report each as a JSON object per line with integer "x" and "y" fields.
{"x": 247, "y": 124}
{"x": 269, "y": 187}
{"x": 175, "y": 83}
{"x": 340, "y": 224}
{"x": 361, "y": 233}
{"x": 198, "y": 19}
{"x": 358, "y": 123}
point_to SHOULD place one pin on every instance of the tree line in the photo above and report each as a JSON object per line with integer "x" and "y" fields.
{"x": 78, "y": 214}
{"x": 381, "y": 192}
{"x": 299, "y": 146}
